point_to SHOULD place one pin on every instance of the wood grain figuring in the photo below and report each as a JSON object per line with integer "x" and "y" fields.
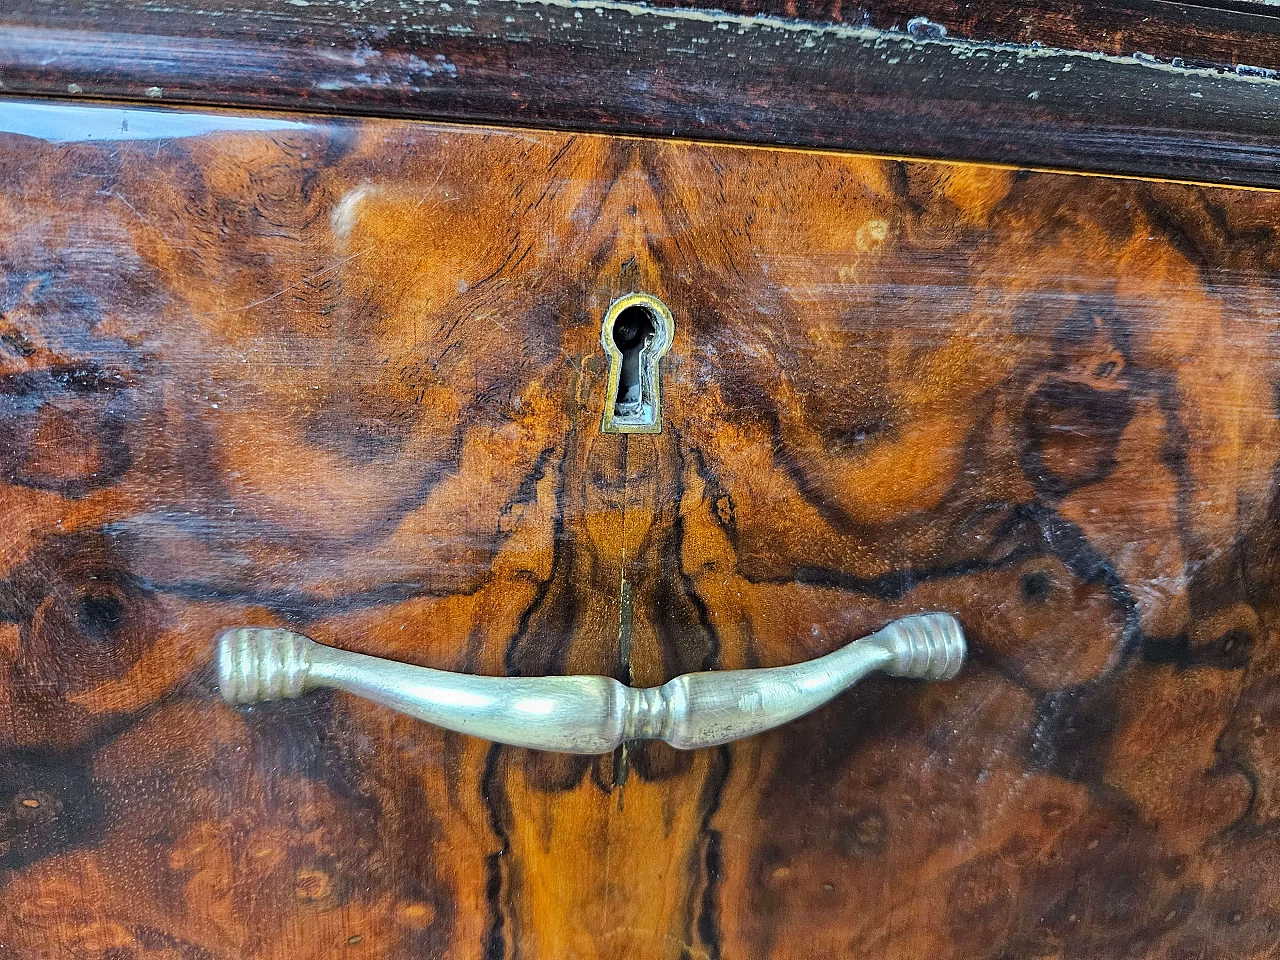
{"x": 346, "y": 376}
{"x": 1148, "y": 87}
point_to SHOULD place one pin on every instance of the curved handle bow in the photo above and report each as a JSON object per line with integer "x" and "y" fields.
{"x": 586, "y": 714}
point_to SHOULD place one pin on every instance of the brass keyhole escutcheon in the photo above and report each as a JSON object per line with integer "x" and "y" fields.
{"x": 636, "y": 333}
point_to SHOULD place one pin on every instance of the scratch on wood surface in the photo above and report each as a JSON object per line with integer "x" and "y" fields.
{"x": 305, "y": 280}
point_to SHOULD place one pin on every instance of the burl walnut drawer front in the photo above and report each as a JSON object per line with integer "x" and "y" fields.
{"x": 354, "y": 378}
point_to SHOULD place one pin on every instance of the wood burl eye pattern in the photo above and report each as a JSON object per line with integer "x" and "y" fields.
{"x": 346, "y": 378}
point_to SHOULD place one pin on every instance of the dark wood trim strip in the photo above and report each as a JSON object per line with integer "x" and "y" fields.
{"x": 1221, "y": 33}
{"x": 627, "y": 67}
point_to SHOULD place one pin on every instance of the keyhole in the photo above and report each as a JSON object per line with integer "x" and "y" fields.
{"x": 632, "y": 332}
{"x": 636, "y": 333}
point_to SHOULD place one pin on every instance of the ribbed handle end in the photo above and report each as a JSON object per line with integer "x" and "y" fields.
{"x": 930, "y": 646}
{"x": 262, "y": 663}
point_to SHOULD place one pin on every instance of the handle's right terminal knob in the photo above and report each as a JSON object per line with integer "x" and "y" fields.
{"x": 926, "y": 647}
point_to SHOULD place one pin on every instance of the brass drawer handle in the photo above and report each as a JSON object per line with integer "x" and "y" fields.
{"x": 586, "y": 714}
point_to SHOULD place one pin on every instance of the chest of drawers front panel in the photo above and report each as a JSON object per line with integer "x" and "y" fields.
{"x": 348, "y": 377}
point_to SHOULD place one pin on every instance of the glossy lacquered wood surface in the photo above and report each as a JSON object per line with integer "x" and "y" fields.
{"x": 347, "y": 376}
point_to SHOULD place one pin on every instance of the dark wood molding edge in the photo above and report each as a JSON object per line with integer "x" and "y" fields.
{"x": 633, "y": 68}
